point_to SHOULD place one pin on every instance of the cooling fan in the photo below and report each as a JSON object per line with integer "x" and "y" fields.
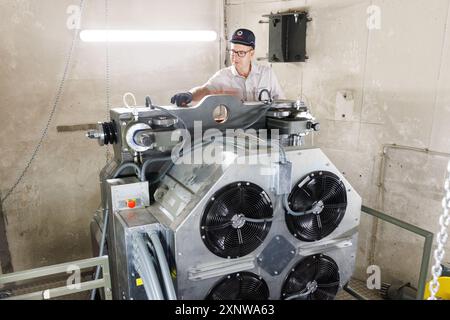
{"x": 322, "y": 196}
{"x": 236, "y": 220}
{"x": 240, "y": 286}
{"x": 315, "y": 277}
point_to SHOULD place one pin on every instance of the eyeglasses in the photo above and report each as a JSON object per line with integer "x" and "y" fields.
{"x": 240, "y": 54}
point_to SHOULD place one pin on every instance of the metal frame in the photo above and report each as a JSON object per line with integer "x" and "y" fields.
{"x": 104, "y": 282}
{"x": 426, "y": 255}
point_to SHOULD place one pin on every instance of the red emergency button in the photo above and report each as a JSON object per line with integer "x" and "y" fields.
{"x": 131, "y": 203}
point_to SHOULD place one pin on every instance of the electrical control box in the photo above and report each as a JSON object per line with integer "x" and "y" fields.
{"x": 287, "y": 36}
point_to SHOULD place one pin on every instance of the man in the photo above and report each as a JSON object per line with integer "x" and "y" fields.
{"x": 244, "y": 79}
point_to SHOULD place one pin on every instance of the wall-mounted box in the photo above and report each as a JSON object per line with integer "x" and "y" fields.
{"x": 287, "y": 36}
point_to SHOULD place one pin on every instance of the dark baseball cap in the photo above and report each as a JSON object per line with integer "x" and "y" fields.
{"x": 243, "y": 36}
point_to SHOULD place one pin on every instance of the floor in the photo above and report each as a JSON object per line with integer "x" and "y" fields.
{"x": 357, "y": 285}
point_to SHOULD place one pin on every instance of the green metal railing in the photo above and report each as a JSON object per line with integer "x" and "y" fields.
{"x": 104, "y": 282}
{"x": 426, "y": 254}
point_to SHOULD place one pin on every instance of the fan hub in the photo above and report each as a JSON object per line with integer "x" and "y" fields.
{"x": 317, "y": 207}
{"x": 311, "y": 286}
{"x": 238, "y": 221}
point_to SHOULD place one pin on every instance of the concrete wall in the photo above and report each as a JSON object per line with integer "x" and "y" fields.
{"x": 49, "y": 212}
{"x": 398, "y": 76}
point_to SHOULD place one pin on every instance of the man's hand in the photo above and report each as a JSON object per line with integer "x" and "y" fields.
{"x": 182, "y": 99}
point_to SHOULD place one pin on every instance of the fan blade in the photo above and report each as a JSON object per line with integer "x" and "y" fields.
{"x": 316, "y": 269}
{"x": 327, "y": 294}
{"x": 335, "y": 206}
{"x": 316, "y": 188}
{"x": 218, "y": 227}
{"x": 302, "y": 295}
{"x": 319, "y": 222}
{"x": 330, "y": 193}
{"x": 328, "y": 285}
{"x": 308, "y": 194}
{"x": 241, "y": 195}
{"x": 261, "y": 220}
{"x": 328, "y": 272}
{"x": 324, "y": 185}
{"x": 239, "y": 233}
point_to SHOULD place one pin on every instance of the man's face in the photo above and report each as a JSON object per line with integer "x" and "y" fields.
{"x": 241, "y": 62}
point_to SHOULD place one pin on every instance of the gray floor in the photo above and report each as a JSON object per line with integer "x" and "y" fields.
{"x": 361, "y": 288}
{"x": 358, "y": 286}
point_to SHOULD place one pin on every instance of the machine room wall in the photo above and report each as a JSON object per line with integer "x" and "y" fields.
{"x": 396, "y": 79}
{"x": 48, "y": 214}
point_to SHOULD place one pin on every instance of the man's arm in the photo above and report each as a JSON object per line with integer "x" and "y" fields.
{"x": 199, "y": 92}
{"x": 217, "y": 84}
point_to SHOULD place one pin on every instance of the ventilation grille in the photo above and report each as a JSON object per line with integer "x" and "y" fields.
{"x": 236, "y": 220}
{"x": 315, "y": 277}
{"x": 240, "y": 286}
{"x": 323, "y": 197}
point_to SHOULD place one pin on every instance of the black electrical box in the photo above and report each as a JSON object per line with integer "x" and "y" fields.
{"x": 287, "y": 36}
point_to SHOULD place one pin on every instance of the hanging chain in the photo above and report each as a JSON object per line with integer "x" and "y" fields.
{"x": 56, "y": 101}
{"x": 107, "y": 75}
{"x": 441, "y": 239}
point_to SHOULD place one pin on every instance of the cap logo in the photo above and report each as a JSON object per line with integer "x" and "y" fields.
{"x": 239, "y": 33}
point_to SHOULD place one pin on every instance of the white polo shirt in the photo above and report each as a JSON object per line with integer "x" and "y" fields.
{"x": 260, "y": 77}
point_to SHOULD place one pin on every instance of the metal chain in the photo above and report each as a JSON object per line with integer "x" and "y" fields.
{"x": 107, "y": 76}
{"x": 441, "y": 239}
{"x": 59, "y": 93}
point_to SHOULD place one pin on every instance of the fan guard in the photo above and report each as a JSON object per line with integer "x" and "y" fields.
{"x": 323, "y": 196}
{"x": 236, "y": 220}
{"x": 315, "y": 277}
{"x": 240, "y": 286}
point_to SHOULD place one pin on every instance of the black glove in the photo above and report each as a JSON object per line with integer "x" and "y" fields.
{"x": 182, "y": 99}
